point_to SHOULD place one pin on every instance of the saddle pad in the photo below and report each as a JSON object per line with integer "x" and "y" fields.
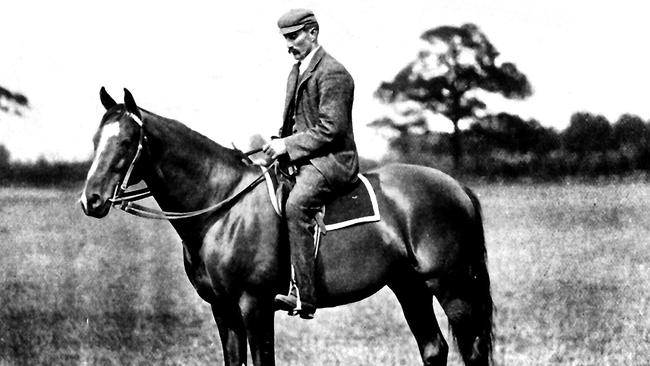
{"x": 354, "y": 207}
{"x": 358, "y": 205}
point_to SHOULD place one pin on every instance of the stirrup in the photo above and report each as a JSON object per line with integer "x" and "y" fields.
{"x": 291, "y": 301}
{"x": 303, "y": 309}
{"x": 288, "y": 304}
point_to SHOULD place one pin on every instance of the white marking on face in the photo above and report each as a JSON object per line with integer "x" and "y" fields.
{"x": 108, "y": 131}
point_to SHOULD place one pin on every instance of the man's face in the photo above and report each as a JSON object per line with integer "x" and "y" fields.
{"x": 301, "y": 42}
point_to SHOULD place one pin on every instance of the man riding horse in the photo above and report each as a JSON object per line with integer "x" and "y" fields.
{"x": 429, "y": 242}
{"x": 316, "y": 143}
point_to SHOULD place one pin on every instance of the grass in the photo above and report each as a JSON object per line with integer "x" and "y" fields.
{"x": 569, "y": 264}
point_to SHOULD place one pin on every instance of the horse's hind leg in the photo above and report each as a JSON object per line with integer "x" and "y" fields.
{"x": 417, "y": 303}
{"x": 470, "y": 319}
{"x": 232, "y": 333}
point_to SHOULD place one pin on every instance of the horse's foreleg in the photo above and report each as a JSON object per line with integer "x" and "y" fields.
{"x": 232, "y": 333}
{"x": 417, "y": 303}
{"x": 258, "y": 316}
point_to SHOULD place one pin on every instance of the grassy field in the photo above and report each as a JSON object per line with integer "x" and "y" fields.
{"x": 570, "y": 267}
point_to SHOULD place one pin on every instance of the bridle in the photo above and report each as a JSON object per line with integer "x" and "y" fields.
{"x": 125, "y": 200}
{"x": 120, "y": 196}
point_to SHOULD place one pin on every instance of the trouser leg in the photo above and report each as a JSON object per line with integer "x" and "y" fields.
{"x": 307, "y": 197}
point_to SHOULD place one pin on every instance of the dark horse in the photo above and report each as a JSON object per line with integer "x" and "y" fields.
{"x": 428, "y": 243}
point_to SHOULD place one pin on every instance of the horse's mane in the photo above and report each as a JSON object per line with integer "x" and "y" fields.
{"x": 179, "y": 130}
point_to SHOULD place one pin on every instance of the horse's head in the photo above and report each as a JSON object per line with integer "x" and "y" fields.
{"x": 116, "y": 144}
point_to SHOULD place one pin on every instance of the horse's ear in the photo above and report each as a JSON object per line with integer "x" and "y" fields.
{"x": 129, "y": 102}
{"x": 106, "y": 99}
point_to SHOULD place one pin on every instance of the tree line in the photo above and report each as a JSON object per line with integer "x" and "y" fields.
{"x": 41, "y": 173}
{"x": 447, "y": 78}
{"x": 507, "y": 146}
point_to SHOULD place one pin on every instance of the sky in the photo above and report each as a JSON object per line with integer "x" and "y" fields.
{"x": 221, "y": 67}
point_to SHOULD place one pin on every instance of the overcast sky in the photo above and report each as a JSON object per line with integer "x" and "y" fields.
{"x": 221, "y": 69}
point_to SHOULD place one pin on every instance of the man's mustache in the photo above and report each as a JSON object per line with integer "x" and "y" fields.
{"x": 292, "y": 51}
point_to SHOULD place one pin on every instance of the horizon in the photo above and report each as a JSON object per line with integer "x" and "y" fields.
{"x": 189, "y": 61}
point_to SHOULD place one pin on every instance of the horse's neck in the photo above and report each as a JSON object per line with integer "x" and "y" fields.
{"x": 187, "y": 171}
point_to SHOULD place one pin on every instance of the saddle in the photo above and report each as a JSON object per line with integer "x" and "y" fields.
{"x": 356, "y": 205}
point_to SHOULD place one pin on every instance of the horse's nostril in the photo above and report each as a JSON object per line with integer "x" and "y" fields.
{"x": 94, "y": 201}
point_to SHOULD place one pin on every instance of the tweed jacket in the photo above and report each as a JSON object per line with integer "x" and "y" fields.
{"x": 322, "y": 126}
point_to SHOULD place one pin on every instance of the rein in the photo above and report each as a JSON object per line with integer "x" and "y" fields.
{"x": 125, "y": 200}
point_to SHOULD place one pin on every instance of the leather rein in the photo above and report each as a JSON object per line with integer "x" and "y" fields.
{"x": 125, "y": 200}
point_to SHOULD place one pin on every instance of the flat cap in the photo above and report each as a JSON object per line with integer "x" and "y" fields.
{"x": 295, "y": 19}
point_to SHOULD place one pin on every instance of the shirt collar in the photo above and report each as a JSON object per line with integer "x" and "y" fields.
{"x": 307, "y": 60}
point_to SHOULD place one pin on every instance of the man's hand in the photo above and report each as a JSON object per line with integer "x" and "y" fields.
{"x": 275, "y": 148}
{"x": 265, "y": 161}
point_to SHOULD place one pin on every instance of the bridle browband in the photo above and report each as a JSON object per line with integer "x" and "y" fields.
{"x": 125, "y": 201}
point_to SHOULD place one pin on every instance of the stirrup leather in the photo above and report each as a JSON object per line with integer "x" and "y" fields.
{"x": 293, "y": 288}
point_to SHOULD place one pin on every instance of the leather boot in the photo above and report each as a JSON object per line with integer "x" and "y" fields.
{"x": 296, "y": 304}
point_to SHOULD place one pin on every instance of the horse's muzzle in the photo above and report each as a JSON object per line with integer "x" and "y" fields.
{"x": 94, "y": 206}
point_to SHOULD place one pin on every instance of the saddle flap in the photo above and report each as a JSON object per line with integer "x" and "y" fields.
{"x": 357, "y": 205}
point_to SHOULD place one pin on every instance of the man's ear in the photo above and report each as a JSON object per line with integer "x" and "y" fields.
{"x": 313, "y": 32}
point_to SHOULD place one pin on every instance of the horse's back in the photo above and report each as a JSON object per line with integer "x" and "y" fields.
{"x": 424, "y": 215}
{"x": 415, "y": 187}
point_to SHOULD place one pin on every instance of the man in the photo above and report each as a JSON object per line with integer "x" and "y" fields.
{"x": 317, "y": 139}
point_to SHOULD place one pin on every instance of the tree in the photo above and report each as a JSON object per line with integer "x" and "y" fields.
{"x": 630, "y": 132}
{"x": 409, "y": 140}
{"x": 587, "y": 133}
{"x": 12, "y": 102}
{"x": 514, "y": 134}
{"x": 4, "y": 158}
{"x": 443, "y": 77}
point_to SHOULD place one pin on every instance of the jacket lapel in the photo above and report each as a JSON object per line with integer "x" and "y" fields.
{"x": 291, "y": 90}
{"x": 306, "y": 75}
{"x": 310, "y": 69}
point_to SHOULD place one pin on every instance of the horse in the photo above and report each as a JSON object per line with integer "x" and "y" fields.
{"x": 429, "y": 241}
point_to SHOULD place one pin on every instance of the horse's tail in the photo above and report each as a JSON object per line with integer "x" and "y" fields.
{"x": 470, "y": 311}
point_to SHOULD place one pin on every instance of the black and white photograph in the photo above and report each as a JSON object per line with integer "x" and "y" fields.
{"x": 446, "y": 182}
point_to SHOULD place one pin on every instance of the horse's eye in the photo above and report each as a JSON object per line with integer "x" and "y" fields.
{"x": 121, "y": 162}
